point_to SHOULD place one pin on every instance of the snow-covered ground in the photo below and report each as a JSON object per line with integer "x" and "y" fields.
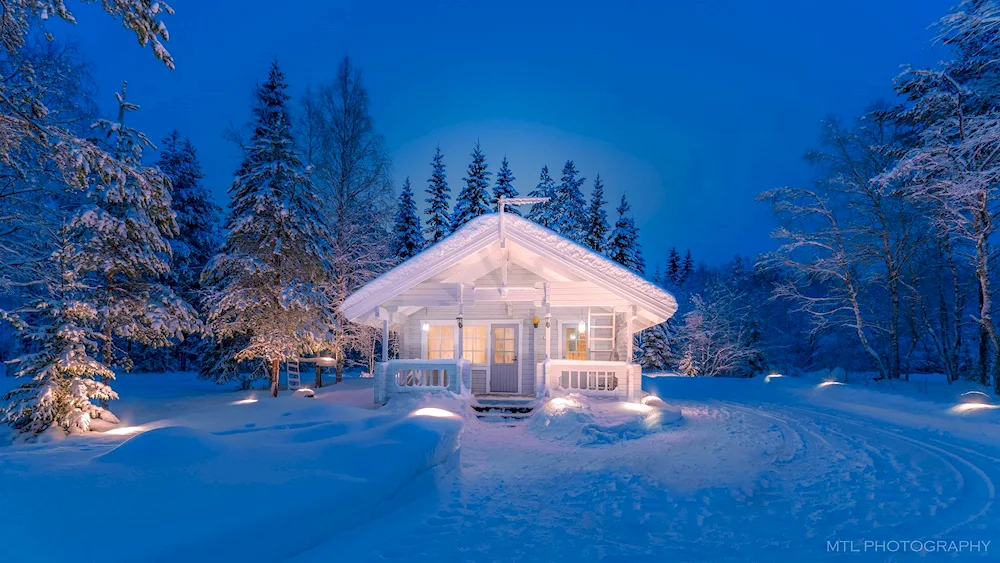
{"x": 750, "y": 470}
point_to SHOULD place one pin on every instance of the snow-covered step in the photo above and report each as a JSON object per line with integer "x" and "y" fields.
{"x": 503, "y": 410}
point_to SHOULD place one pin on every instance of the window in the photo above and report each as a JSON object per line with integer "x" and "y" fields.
{"x": 440, "y": 342}
{"x": 474, "y": 343}
{"x": 504, "y": 345}
{"x": 574, "y": 343}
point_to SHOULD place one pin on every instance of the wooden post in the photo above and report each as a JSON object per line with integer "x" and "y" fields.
{"x": 319, "y": 376}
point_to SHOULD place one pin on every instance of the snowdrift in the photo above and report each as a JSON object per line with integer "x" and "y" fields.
{"x": 589, "y": 421}
{"x": 207, "y": 493}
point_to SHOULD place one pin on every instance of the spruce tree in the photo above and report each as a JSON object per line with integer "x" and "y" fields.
{"x": 674, "y": 266}
{"x": 407, "y": 240}
{"x": 655, "y": 349}
{"x": 504, "y": 187}
{"x": 197, "y": 237}
{"x": 596, "y": 237}
{"x": 569, "y": 206}
{"x": 62, "y": 376}
{"x": 269, "y": 286}
{"x": 542, "y": 213}
{"x": 121, "y": 246}
{"x": 473, "y": 200}
{"x": 438, "y": 202}
{"x": 686, "y": 269}
{"x": 624, "y": 247}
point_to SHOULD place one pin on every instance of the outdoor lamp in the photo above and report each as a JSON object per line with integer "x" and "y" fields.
{"x": 534, "y": 322}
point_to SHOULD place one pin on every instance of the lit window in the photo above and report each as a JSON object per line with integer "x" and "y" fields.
{"x": 440, "y": 342}
{"x": 575, "y": 344}
{"x": 474, "y": 343}
{"x": 504, "y": 345}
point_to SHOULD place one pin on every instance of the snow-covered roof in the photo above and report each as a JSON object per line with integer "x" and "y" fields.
{"x": 482, "y": 232}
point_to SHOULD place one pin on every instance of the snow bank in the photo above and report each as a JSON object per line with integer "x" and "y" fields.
{"x": 589, "y": 421}
{"x": 201, "y": 486}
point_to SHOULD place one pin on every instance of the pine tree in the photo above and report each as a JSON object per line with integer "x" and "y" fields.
{"x": 674, "y": 267}
{"x": 504, "y": 187}
{"x": 438, "y": 202}
{"x": 270, "y": 282}
{"x": 542, "y": 213}
{"x": 473, "y": 200}
{"x": 63, "y": 376}
{"x": 407, "y": 239}
{"x": 596, "y": 237}
{"x": 657, "y": 277}
{"x": 686, "y": 269}
{"x": 624, "y": 246}
{"x": 569, "y": 206}
{"x": 121, "y": 236}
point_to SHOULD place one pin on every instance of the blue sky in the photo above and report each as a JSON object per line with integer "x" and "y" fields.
{"x": 691, "y": 108}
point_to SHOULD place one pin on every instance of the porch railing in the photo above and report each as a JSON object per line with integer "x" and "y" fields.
{"x": 407, "y": 376}
{"x": 596, "y": 378}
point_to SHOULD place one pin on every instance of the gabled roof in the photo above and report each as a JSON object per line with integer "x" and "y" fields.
{"x": 480, "y": 233}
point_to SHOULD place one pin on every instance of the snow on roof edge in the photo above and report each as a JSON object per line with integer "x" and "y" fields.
{"x": 485, "y": 228}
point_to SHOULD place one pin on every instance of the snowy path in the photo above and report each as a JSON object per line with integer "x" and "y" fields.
{"x": 759, "y": 477}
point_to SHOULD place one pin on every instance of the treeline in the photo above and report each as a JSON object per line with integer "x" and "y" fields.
{"x": 886, "y": 264}
{"x": 566, "y": 212}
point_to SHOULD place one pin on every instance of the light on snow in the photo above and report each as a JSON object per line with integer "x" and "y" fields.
{"x": 560, "y": 403}
{"x": 969, "y": 407}
{"x": 433, "y": 412}
{"x": 125, "y": 431}
{"x": 244, "y": 401}
{"x": 636, "y": 407}
{"x": 829, "y": 383}
{"x": 768, "y": 378}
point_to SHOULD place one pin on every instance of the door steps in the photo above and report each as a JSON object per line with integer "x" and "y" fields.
{"x": 507, "y": 411}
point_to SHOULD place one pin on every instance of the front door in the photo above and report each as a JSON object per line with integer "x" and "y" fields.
{"x": 503, "y": 363}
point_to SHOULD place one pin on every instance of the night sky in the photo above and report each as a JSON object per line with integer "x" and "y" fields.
{"x": 691, "y": 108}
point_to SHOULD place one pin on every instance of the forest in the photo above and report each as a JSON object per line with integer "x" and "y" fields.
{"x": 114, "y": 255}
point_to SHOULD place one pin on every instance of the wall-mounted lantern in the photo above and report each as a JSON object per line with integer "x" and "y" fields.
{"x": 459, "y": 319}
{"x": 534, "y": 322}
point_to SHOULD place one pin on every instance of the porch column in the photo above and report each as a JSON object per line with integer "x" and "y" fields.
{"x": 385, "y": 340}
{"x": 628, "y": 339}
{"x": 460, "y": 321}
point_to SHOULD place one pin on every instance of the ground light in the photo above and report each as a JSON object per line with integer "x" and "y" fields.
{"x": 125, "y": 431}
{"x": 244, "y": 402}
{"x": 433, "y": 412}
{"x": 970, "y": 407}
{"x": 829, "y": 383}
{"x": 773, "y": 375}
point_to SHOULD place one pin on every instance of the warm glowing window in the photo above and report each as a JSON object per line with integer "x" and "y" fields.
{"x": 575, "y": 344}
{"x": 504, "y": 345}
{"x": 474, "y": 343}
{"x": 440, "y": 342}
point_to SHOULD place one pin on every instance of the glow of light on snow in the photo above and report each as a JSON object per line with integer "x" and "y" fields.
{"x": 829, "y": 383}
{"x": 636, "y": 407}
{"x": 244, "y": 401}
{"x": 433, "y": 412}
{"x": 980, "y": 393}
{"x": 970, "y": 407}
{"x": 425, "y": 327}
{"x": 560, "y": 403}
{"x": 125, "y": 431}
{"x": 768, "y": 378}
{"x": 648, "y": 398}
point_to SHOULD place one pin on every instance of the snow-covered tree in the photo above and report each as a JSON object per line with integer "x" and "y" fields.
{"x": 656, "y": 354}
{"x": 543, "y": 213}
{"x": 62, "y": 378}
{"x": 596, "y": 236}
{"x": 474, "y": 199}
{"x": 121, "y": 235}
{"x": 624, "y": 246}
{"x": 569, "y": 207}
{"x": 438, "y": 201}
{"x": 351, "y": 172}
{"x": 715, "y": 337}
{"x": 197, "y": 230}
{"x": 505, "y": 187}
{"x": 408, "y": 240}
{"x": 686, "y": 268}
{"x": 270, "y": 283}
